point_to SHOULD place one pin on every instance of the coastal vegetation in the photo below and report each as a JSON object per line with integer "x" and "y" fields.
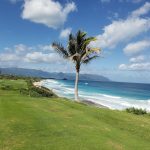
{"x": 41, "y": 91}
{"x": 79, "y": 52}
{"x": 29, "y": 123}
{"x": 30, "y": 90}
{"x": 136, "y": 111}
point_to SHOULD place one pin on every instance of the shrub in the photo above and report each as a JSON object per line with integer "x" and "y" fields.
{"x": 42, "y": 92}
{"x": 6, "y": 87}
{"x": 24, "y": 91}
{"x": 34, "y": 94}
{"x": 38, "y": 91}
{"x": 136, "y": 111}
{"x": 29, "y": 84}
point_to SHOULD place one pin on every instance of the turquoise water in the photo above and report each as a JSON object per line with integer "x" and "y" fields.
{"x": 114, "y": 95}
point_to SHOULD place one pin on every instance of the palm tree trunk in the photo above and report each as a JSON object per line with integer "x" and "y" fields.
{"x": 76, "y": 86}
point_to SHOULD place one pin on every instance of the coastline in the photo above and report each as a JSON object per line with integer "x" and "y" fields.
{"x": 100, "y": 100}
{"x": 84, "y": 101}
{"x": 37, "y": 84}
{"x": 87, "y": 102}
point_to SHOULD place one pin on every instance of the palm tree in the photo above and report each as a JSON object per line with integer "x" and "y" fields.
{"x": 78, "y": 51}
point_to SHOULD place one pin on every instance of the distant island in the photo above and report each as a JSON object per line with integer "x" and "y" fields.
{"x": 52, "y": 75}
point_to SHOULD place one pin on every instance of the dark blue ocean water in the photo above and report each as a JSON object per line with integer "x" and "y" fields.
{"x": 114, "y": 95}
{"x": 129, "y": 90}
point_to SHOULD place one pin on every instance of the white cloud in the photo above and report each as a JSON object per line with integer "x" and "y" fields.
{"x": 23, "y": 53}
{"x": 20, "y": 48}
{"x": 137, "y": 47}
{"x": 142, "y": 10}
{"x": 137, "y": 59}
{"x": 48, "y": 12}
{"x": 121, "y": 31}
{"x": 5, "y": 57}
{"x": 41, "y": 57}
{"x": 136, "y": 66}
{"x": 123, "y": 67}
{"x": 65, "y": 33}
{"x": 37, "y": 57}
{"x": 46, "y": 47}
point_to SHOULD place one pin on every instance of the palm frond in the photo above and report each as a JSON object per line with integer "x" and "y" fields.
{"x": 71, "y": 45}
{"x": 80, "y": 37}
{"x": 88, "y": 59}
{"x": 83, "y": 34}
{"x": 60, "y": 49}
{"x": 71, "y": 37}
{"x": 88, "y": 51}
{"x": 95, "y": 49}
{"x": 71, "y": 48}
{"x": 90, "y": 39}
{"x": 87, "y": 41}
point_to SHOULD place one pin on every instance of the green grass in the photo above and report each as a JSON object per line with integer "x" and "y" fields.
{"x": 28, "y": 123}
{"x": 13, "y": 84}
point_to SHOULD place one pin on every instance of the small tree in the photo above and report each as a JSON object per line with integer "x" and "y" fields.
{"x": 78, "y": 51}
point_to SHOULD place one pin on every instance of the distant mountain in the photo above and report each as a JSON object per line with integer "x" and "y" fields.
{"x": 55, "y": 75}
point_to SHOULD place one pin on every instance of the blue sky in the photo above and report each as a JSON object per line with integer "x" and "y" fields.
{"x": 122, "y": 28}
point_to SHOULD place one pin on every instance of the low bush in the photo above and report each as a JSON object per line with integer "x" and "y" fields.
{"x": 136, "y": 111}
{"x": 6, "y": 87}
{"x": 24, "y": 91}
{"x": 39, "y": 91}
{"x": 34, "y": 94}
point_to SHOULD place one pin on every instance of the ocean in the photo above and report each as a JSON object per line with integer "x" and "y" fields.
{"x": 114, "y": 95}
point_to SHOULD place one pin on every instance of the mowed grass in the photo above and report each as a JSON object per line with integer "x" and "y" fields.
{"x": 28, "y": 123}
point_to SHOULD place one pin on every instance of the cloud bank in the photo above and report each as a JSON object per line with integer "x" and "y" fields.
{"x": 48, "y": 12}
{"x": 124, "y": 30}
{"x": 136, "y": 47}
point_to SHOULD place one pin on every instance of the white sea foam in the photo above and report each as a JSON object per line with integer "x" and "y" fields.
{"x": 118, "y": 103}
{"x": 116, "y": 97}
{"x": 112, "y": 102}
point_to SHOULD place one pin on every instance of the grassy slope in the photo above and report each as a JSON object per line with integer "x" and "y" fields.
{"x": 28, "y": 123}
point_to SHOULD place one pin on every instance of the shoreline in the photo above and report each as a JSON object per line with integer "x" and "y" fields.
{"x": 102, "y": 101}
{"x": 84, "y": 101}
{"x": 90, "y": 103}
{"x": 37, "y": 84}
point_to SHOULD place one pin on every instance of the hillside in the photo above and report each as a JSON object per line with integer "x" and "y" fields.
{"x": 30, "y": 123}
{"x": 43, "y": 74}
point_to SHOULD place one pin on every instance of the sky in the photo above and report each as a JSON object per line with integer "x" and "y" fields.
{"x": 122, "y": 29}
